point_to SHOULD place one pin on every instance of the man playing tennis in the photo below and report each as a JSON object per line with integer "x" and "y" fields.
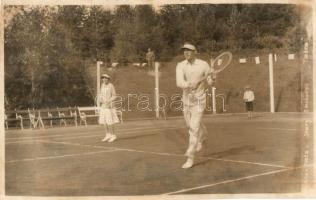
{"x": 193, "y": 75}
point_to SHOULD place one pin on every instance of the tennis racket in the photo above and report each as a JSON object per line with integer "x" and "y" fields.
{"x": 221, "y": 62}
{"x": 218, "y": 65}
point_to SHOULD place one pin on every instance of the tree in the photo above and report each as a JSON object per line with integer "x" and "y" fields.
{"x": 24, "y": 42}
{"x": 124, "y": 49}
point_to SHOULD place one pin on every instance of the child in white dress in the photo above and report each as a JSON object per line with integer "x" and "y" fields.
{"x": 107, "y": 113}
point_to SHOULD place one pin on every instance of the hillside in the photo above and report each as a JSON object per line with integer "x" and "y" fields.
{"x": 230, "y": 82}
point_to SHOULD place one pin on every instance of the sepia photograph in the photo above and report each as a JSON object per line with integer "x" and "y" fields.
{"x": 172, "y": 100}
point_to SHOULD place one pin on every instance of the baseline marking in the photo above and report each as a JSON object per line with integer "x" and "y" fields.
{"x": 160, "y": 153}
{"x": 169, "y": 154}
{"x": 231, "y": 181}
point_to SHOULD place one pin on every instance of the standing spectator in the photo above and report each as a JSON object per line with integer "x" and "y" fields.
{"x": 150, "y": 57}
{"x": 249, "y": 97}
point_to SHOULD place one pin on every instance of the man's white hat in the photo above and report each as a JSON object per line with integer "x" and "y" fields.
{"x": 105, "y": 76}
{"x": 189, "y": 46}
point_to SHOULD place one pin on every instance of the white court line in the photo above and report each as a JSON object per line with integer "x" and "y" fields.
{"x": 128, "y": 133}
{"x": 45, "y": 136}
{"x": 231, "y": 181}
{"x": 84, "y": 133}
{"x": 210, "y": 158}
{"x": 101, "y": 132}
{"x": 62, "y": 156}
{"x": 88, "y": 135}
{"x": 246, "y": 162}
{"x": 166, "y": 154}
{"x": 42, "y": 137}
{"x": 281, "y": 129}
{"x": 162, "y": 153}
{"x": 77, "y": 144}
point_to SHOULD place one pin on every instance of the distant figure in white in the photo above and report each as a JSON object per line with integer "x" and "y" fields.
{"x": 249, "y": 97}
{"x": 193, "y": 75}
{"x": 107, "y": 113}
{"x": 150, "y": 57}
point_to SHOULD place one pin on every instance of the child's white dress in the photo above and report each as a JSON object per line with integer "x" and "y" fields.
{"x": 107, "y": 112}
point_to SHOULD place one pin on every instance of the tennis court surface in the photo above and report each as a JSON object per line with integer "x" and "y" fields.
{"x": 261, "y": 155}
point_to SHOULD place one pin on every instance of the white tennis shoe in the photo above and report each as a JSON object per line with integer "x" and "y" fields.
{"x": 107, "y": 137}
{"x": 188, "y": 163}
{"x": 113, "y": 137}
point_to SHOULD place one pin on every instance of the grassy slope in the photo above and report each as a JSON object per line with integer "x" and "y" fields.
{"x": 230, "y": 82}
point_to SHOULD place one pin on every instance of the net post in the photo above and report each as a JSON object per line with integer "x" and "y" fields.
{"x": 157, "y": 89}
{"x": 271, "y": 83}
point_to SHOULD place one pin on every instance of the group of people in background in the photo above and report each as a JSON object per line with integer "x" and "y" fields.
{"x": 193, "y": 76}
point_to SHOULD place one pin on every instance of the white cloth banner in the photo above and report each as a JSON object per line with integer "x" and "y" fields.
{"x": 291, "y": 56}
{"x": 242, "y": 60}
{"x": 257, "y": 59}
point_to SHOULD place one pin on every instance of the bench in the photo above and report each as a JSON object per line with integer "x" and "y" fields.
{"x": 22, "y": 115}
{"x": 13, "y": 116}
{"x": 87, "y": 112}
{"x": 93, "y": 111}
{"x": 67, "y": 113}
{"x": 37, "y": 116}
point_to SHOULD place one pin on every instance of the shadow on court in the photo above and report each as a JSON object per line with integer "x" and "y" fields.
{"x": 262, "y": 155}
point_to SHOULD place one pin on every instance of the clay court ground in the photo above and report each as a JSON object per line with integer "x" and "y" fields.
{"x": 262, "y": 155}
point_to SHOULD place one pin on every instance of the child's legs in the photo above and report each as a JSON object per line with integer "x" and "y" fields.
{"x": 251, "y": 109}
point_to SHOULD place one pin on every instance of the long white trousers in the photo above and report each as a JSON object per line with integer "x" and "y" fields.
{"x": 197, "y": 130}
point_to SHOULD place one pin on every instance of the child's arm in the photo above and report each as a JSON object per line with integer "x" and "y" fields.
{"x": 253, "y": 95}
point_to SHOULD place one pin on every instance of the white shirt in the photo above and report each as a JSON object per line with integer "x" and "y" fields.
{"x": 193, "y": 74}
{"x": 249, "y": 96}
{"x": 107, "y": 94}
